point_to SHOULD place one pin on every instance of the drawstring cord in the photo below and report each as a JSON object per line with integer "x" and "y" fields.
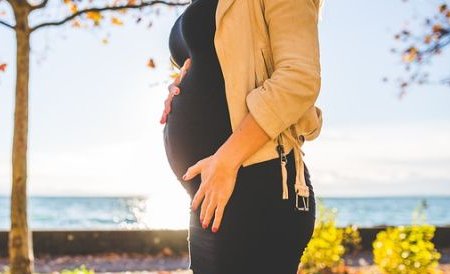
{"x": 301, "y": 189}
{"x": 283, "y": 162}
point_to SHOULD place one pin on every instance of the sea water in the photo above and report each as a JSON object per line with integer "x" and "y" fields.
{"x": 150, "y": 213}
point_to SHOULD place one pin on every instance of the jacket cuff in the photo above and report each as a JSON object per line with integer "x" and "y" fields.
{"x": 266, "y": 117}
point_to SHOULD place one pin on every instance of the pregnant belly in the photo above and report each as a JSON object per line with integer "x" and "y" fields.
{"x": 198, "y": 123}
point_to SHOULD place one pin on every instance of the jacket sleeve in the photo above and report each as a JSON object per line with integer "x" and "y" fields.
{"x": 295, "y": 82}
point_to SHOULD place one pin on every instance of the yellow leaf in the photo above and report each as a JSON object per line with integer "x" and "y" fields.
{"x": 116, "y": 21}
{"x": 76, "y": 24}
{"x": 94, "y": 16}
{"x": 151, "y": 63}
{"x": 410, "y": 55}
{"x": 73, "y": 7}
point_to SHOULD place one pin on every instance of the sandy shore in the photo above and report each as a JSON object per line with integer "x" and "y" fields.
{"x": 166, "y": 263}
{"x": 111, "y": 262}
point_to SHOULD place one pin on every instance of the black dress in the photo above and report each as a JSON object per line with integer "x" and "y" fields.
{"x": 199, "y": 122}
{"x": 260, "y": 232}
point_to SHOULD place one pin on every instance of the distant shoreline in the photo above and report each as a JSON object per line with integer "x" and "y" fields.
{"x": 71, "y": 242}
{"x": 144, "y": 212}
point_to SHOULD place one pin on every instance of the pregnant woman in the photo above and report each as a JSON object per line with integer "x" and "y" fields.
{"x": 239, "y": 222}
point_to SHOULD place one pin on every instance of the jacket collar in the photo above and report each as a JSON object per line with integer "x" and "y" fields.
{"x": 222, "y": 7}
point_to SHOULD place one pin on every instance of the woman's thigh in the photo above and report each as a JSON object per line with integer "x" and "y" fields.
{"x": 287, "y": 232}
{"x": 231, "y": 249}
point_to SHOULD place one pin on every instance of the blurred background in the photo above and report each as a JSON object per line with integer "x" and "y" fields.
{"x": 95, "y": 106}
{"x": 96, "y": 158}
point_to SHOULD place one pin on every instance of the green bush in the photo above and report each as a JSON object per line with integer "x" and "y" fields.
{"x": 406, "y": 250}
{"x": 324, "y": 251}
{"x": 81, "y": 270}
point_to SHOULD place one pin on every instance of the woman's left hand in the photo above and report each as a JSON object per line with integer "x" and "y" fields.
{"x": 218, "y": 180}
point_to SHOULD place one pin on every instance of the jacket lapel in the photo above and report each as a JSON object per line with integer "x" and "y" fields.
{"x": 222, "y": 7}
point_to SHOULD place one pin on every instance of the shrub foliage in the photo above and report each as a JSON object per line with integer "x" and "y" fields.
{"x": 406, "y": 250}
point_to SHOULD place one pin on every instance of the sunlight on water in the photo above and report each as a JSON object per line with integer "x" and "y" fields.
{"x": 159, "y": 212}
{"x": 169, "y": 209}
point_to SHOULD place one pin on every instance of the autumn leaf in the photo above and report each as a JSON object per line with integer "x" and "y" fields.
{"x": 73, "y": 8}
{"x": 3, "y": 67}
{"x": 76, "y": 24}
{"x": 437, "y": 28}
{"x": 410, "y": 55}
{"x": 94, "y": 16}
{"x": 151, "y": 63}
{"x": 116, "y": 21}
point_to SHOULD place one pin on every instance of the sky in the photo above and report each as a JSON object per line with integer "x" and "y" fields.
{"x": 94, "y": 110}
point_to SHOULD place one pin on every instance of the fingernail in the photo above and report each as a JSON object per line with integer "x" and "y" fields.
{"x": 214, "y": 229}
{"x": 204, "y": 225}
{"x": 184, "y": 177}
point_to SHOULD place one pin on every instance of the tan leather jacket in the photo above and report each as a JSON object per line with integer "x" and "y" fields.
{"x": 269, "y": 54}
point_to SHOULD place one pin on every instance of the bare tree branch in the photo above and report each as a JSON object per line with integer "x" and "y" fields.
{"x": 112, "y": 8}
{"x": 444, "y": 41}
{"x": 40, "y": 6}
{"x": 19, "y": 3}
{"x": 7, "y": 25}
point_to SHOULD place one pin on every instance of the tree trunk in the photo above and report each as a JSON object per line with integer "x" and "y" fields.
{"x": 21, "y": 258}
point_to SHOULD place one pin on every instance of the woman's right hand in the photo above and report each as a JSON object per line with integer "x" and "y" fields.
{"x": 174, "y": 90}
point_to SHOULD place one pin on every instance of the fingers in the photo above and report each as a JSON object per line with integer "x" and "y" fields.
{"x": 212, "y": 202}
{"x": 183, "y": 71}
{"x": 163, "y": 119}
{"x": 167, "y": 105}
{"x": 174, "y": 90}
{"x": 210, "y": 207}
{"x": 203, "y": 208}
{"x": 194, "y": 170}
{"x": 198, "y": 197}
{"x": 173, "y": 87}
{"x": 208, "y": 210}
{"x": 187, "y": 64}
{"x": 218, "y": 214}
